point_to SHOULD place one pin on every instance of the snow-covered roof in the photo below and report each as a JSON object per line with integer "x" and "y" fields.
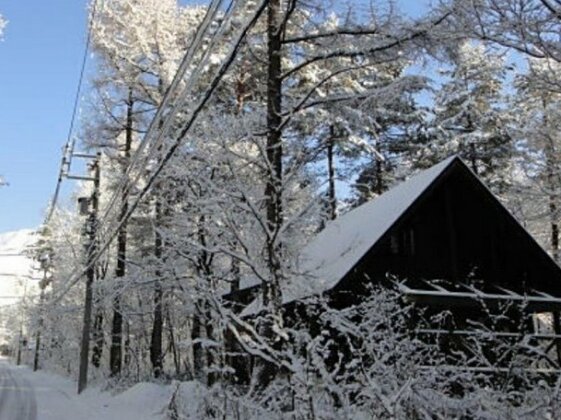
{"x": 331, "y": 254}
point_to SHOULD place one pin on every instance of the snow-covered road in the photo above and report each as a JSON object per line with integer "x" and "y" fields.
{"x": 17, "y": 395}
{"x": 42, "y": 395}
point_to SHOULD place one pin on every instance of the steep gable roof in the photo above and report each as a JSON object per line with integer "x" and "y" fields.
{"x": 337, "y": 249}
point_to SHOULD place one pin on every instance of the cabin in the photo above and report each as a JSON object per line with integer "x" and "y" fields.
{"x": 443, "y": 241}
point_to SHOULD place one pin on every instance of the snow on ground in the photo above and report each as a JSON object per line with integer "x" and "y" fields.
{"x": 57, "y": 399}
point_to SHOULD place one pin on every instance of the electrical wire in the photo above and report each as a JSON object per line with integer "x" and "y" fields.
{"x": 155, "y": 122}
{"x": 170, "y": 153}
{"x": 164, "y": 124}
{"x": 125, "y": 180}
{"x": 68, "y": 148}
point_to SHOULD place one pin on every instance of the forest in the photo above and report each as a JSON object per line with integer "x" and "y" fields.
{"x": 220, "y": 138}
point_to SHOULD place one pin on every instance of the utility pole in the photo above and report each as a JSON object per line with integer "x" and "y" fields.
{"x": 89, "y": 207}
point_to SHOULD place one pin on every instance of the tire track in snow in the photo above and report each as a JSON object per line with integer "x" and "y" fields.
{"x": 17, "y": 396}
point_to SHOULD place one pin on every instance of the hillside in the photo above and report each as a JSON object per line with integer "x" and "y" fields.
{"x": 14, "y": 267}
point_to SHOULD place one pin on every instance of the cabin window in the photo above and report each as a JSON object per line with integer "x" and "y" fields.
{"x": 412, "y": 241}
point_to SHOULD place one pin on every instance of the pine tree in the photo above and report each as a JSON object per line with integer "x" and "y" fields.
{"x": 539, "y": 143}
{"x": 470, "y": 118}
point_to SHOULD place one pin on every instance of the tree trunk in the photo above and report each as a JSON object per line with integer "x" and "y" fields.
{"x": 380, "y": 186}
{"x": 172, "y": 344}
{"x": 127, "y": 347}
{"x": 273, "y": 191}
{"x": 157, "y": 327}
{"x": 473, "y": 158}
{"x": 236, "y": 274}
{"x": 20, "y": 346}
{"x": 554, "y": 226}
{"x": 272, "y": 298}
{"x": 472, "y": 147}
{"x": 211, "y": 358}
{"x": 552, "y": 180}
{"x": 331, "y": 174}
{"x": 198, "y": 354}
{"x": 42, "y": 286}
{"x": 156, "y": 354}
{"x": 97, "y": 337}
{"x": 116, "y": 352}
{"x": 552, "y": 198}
{"x": 204, "y": 321}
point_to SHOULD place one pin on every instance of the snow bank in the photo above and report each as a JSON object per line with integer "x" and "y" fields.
{"x": 189, "y": 400}
{"x": 147, "y": 400}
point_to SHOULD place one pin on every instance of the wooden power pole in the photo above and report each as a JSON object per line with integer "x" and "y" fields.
{"x": 90, "y": 208}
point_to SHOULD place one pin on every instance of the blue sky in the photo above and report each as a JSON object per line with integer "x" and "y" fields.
{"x": 39, "y": 65}
{"x": 40, "y": 60}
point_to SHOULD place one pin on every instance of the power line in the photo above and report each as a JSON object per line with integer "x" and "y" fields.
{"x": 170, "y": 153}
{"x": 176, "y": 103}
{"x": 168, "y": 96}
{"x": 163, "y": 124}
{"x": 68, "y": 148}
{"x": 126, "y": 180}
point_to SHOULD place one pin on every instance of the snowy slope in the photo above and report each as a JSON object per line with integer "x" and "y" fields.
{"x": 15, "y": 268}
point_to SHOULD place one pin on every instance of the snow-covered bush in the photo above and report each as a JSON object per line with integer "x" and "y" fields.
{"x": 368, "y": 363}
